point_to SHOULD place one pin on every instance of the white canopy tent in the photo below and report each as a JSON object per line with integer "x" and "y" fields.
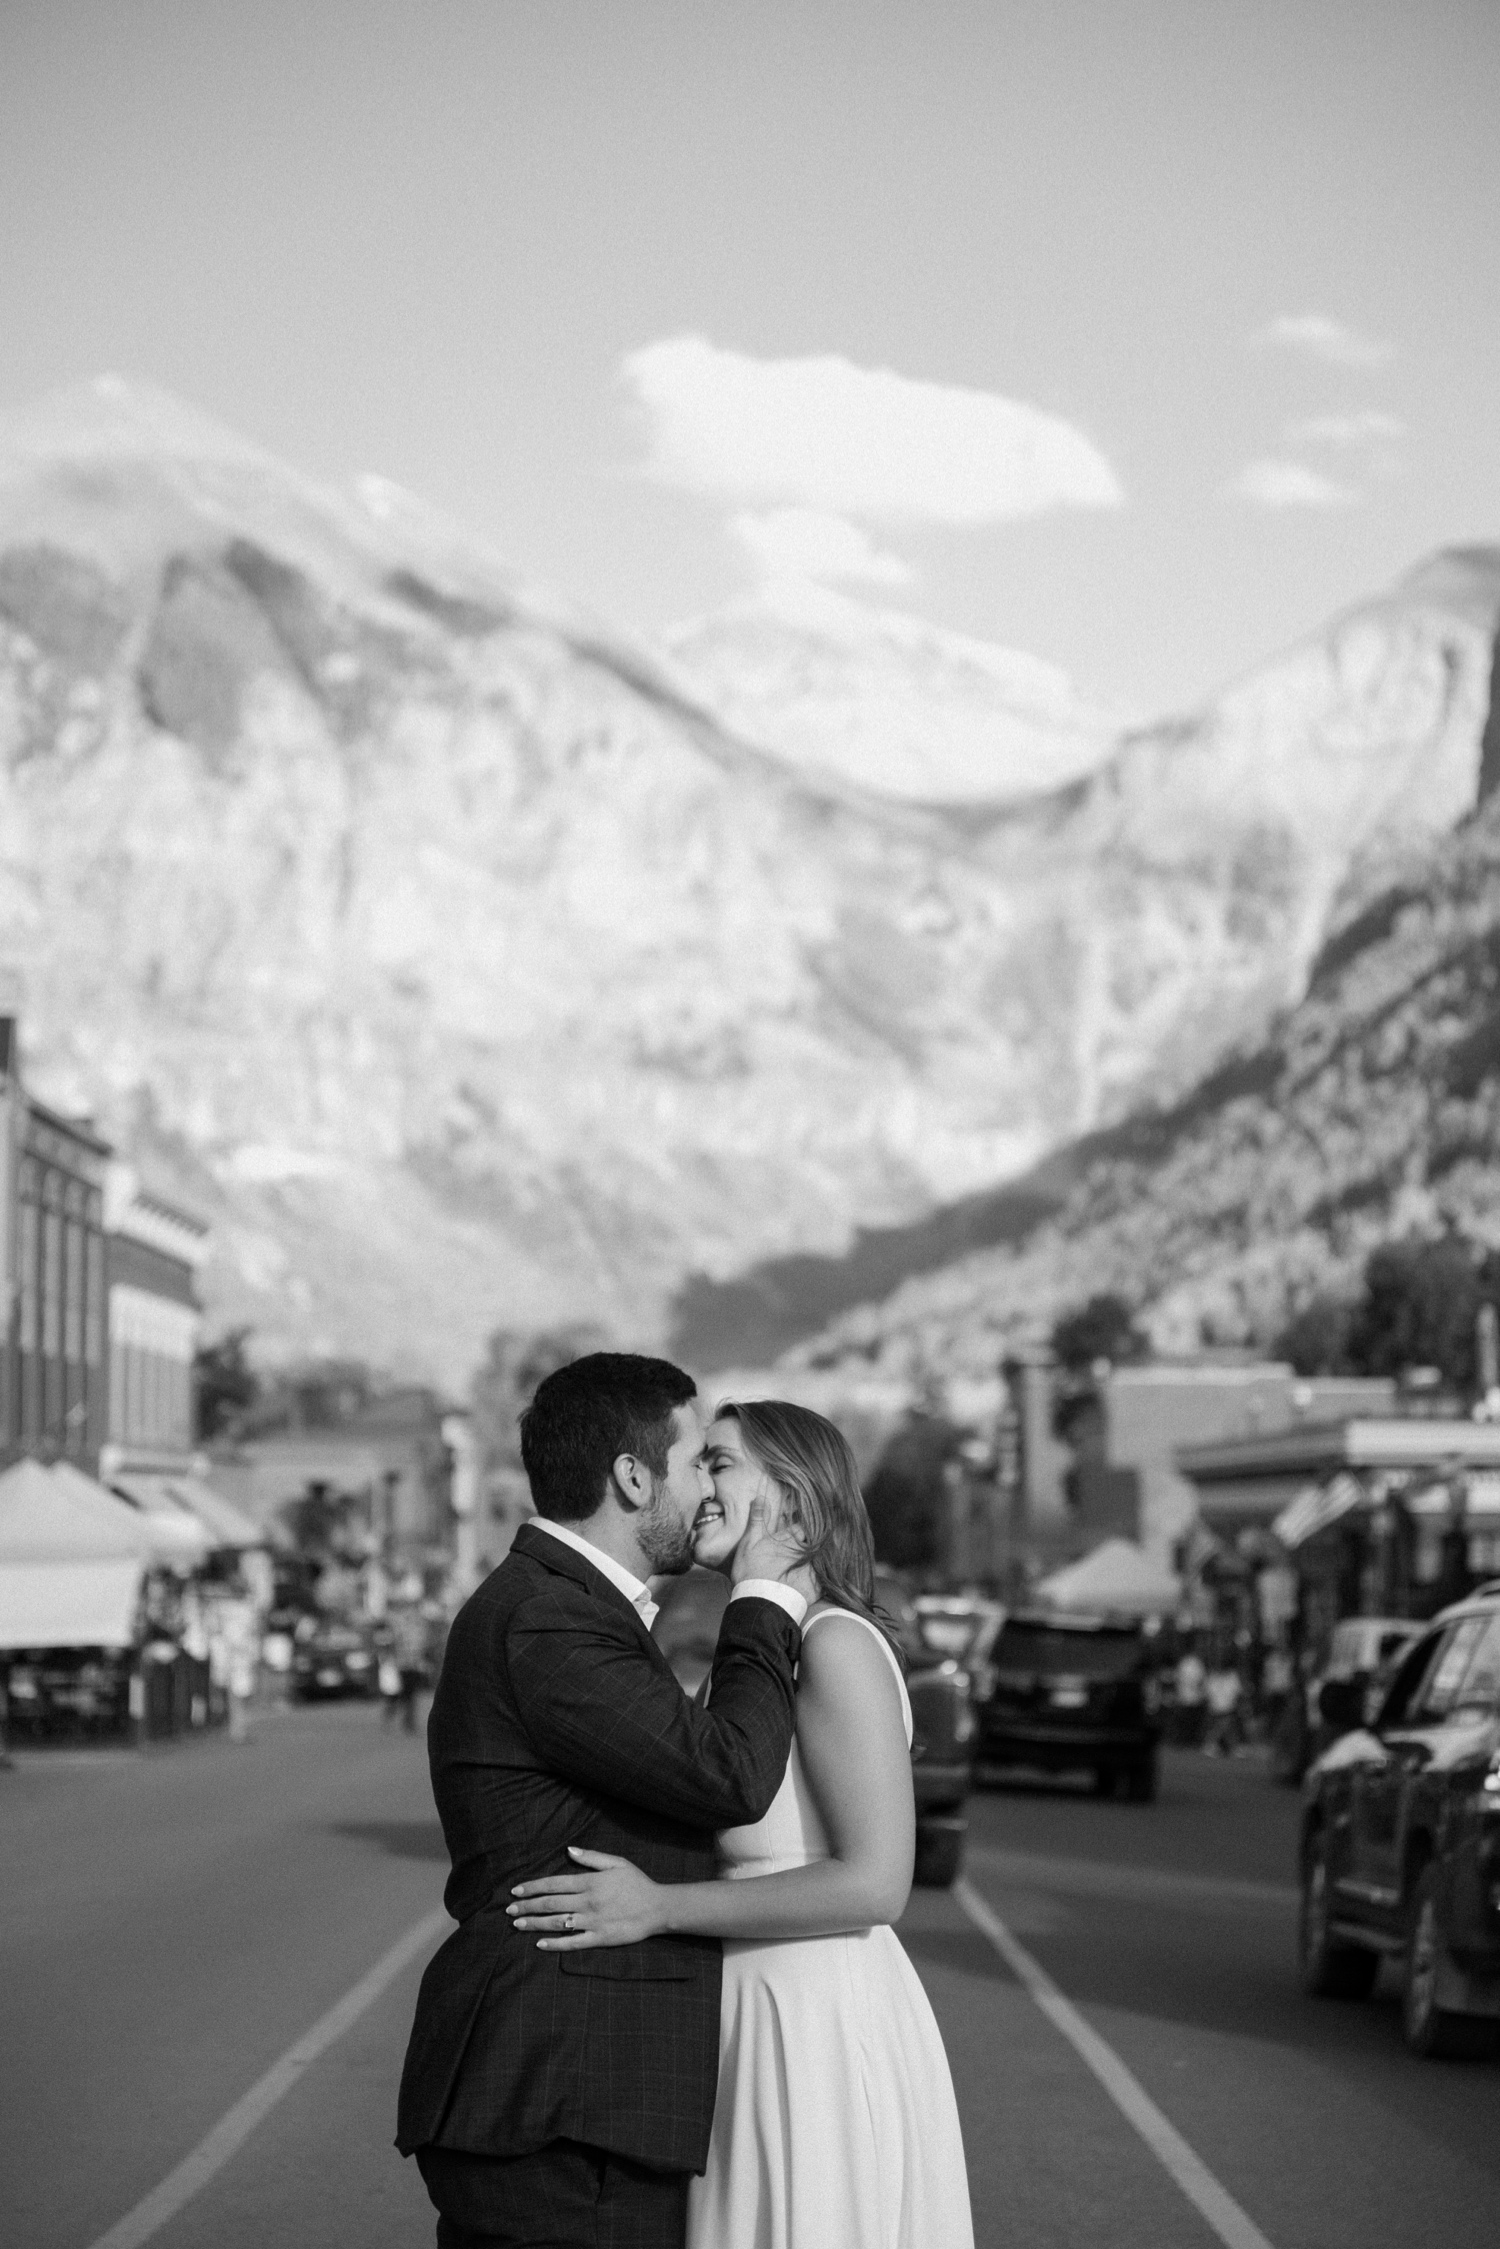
{"x": 214, "y": 1520}
{"x": 164, "y": 1538}
{"x": 68, "y": 1604}
{"x": 1117, "y": 1579}
{"x": 70, "y": 1576}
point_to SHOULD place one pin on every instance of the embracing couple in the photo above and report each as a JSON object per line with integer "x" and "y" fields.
{"x": 628, "y": 2042}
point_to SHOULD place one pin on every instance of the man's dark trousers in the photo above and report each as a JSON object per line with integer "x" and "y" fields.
{"x": 564, "y": 2197}
{"x": 536, "y": 2080}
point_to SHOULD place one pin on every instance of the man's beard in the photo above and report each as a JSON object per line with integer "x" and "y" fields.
{"x": 665, "y": 1539}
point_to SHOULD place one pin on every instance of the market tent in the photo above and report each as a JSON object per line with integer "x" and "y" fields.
{"x": 42, "y": 1521}
{"x": 228, "y": 1525}
{"x": 69, "y": 1576}
{"x": 68, "y": 1604}
{"x": 172, "y": 1519}
{"x": 1116, "y": 1579}
{"x": 162, "y": 1541}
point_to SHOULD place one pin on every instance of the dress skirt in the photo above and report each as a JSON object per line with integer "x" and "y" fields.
{"x": 835, "y": 2125}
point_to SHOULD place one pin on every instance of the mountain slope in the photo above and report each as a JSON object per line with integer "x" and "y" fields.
{"x": 464, "y": 969}
{"x": 886, "y": 700}
{"x": 1373, "y": 1107}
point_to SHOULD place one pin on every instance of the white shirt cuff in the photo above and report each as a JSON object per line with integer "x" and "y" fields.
{"x": 771, "y": 1589}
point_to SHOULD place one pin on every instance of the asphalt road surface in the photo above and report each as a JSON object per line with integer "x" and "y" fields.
{"x": 1134, "y": 2064}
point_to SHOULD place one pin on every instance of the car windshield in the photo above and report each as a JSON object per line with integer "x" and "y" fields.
{"x": 951, "y": 1632}
{"x": 1096, "y": 1652}
{"x": 1480, "y": 1687}
{"x": 1440, "y": 1687}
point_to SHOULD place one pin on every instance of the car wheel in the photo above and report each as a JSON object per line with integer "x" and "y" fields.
{"x": 1330, "y": 1968}
{"x": 1105, "y": 1780}
{"x": 1434, "y": 2032}
{"x": 1142, "y": 1778}
{"x": 940, "y": 1853}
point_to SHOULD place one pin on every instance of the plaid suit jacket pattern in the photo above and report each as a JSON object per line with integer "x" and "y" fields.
{"x": 557, "y": 1720}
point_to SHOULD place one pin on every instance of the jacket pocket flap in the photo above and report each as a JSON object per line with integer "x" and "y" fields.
{"x": 627, "y": 1963}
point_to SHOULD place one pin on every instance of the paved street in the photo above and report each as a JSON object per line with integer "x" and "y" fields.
{"x": 174, "y": 1924}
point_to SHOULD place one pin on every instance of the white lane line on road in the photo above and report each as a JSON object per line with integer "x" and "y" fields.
{"x": 234, "y": 2127}
{"x": 1213, "y": 2203}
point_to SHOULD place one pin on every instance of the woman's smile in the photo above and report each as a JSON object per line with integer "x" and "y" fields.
{"x": 720, "y": 1522}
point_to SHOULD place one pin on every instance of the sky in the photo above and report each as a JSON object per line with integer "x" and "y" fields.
{"x": 1142, "y": 335}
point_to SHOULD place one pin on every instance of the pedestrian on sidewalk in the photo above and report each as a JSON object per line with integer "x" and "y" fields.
{"x": 238, "y": 1633}
{"x": 1188, "y": 1685}
{"x": 1224, "y": 1693}
{"x": 409, "y": 1646}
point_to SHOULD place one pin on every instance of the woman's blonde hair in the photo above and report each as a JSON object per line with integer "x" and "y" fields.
{"x": 810, "y": 1461}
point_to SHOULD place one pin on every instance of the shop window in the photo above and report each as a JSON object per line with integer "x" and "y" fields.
{"x": 93, "y": 1325}
{"x": 52, "y": 1283}
{"x": 28, "y": 1251}
{"x": 73, "y": 1298}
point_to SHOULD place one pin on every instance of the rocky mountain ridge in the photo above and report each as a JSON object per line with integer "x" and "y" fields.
{"x": 888, "y": 701}
{"x": 463, "y": 968}
{"x": 1371, "y": 1110}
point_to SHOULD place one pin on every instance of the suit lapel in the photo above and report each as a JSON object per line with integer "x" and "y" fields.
{"x": 553, "y": 1554}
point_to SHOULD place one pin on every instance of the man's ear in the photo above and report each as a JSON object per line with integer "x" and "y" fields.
{"x": 631, "y": 1479}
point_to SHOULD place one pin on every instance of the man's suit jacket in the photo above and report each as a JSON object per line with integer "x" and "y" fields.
{"x": 556, "y": 1720}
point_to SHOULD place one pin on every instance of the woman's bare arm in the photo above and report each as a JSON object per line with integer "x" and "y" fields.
{"x": 853, "y": 1746}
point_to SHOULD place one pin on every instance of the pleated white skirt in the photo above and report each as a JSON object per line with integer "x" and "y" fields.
{"x": 836, "y": 2125}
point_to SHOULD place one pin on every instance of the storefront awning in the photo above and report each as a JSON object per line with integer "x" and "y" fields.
{"x": 68, "y": 1604}
{"x": 1481, "y": 1501}
{"x": 173, "y": 1522}
{"x": 226, "y": 1524}
{"x": 41, "y": 1520}
{"x": 1315, "y": 1507}
{"x": 162, "y": 1542}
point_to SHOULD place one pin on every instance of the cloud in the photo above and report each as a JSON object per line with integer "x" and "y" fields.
{"x": 1367, "y": 428}
{"x": 1323, "y": 338}
{"x": 1288, "y": 484}
{"x": 824, "y": 436}
{"x": 801, "y": 543}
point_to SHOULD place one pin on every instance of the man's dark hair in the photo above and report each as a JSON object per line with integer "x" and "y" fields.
{"x": 583, "y": 1417}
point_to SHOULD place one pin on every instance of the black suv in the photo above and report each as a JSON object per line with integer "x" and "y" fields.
{"x": 1400, "y": 1850}
{"x": 1073, "y": 1694}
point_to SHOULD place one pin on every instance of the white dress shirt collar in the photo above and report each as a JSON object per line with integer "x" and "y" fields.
{"x": 637, "y": 1594}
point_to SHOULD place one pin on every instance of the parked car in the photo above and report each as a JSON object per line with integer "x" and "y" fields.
{"x": 687, "y": 1630}
{"x": 1400, "y": 1841}
{"x": 57, "y": 1694}
{"x": 940, "y": 1686}
{"x": 330, "y": 1660}
{"x": 1073, "y": 1693}
{"x": 962, "y": 1625}
{"x": 1362, "y": 1656}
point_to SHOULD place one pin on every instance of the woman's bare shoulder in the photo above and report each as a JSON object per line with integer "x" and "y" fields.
{"x": 852, "y": 1652}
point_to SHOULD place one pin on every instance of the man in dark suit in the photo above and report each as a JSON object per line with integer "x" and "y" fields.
{"x": 560, "y": 2100}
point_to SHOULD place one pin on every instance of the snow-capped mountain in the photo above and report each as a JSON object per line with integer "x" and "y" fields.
{"x": 465, "y": 970}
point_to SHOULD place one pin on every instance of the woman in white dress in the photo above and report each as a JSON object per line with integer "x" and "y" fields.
{"x": 835, "y": 2125}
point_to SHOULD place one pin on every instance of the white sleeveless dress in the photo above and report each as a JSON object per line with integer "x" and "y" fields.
{"x": 835, "y": 2125}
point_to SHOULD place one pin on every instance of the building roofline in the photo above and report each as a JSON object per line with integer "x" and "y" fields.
{"x": 1353, "y": 1441}
{"x": 77, "y": 1128}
